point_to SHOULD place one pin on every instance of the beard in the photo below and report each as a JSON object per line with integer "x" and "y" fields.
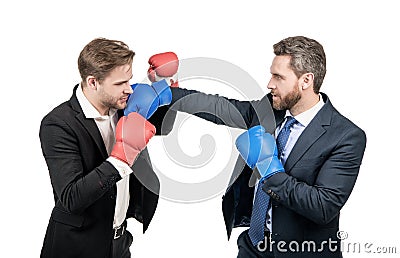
{"x": 110, "y": 101}
{"x": 288, "y": 101}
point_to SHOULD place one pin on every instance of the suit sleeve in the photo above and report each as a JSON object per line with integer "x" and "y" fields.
{"x": 163, "y": 119}
{"x": 216, "y": 109}
{"x": 74, "y": 189}
{"x": 322, "y": 201}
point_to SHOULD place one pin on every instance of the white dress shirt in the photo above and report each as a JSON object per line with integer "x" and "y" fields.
{"x": 303, "y": 120}
{"x": 106, "y": 125}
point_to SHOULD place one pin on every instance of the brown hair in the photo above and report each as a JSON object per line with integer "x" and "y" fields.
{"x": 307, "y": 56}
{"x": 100, "y": 56}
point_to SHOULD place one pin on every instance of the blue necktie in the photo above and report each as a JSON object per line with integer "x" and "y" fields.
{"x": 283, "y": 135}
{"x": 261, "y": 201}
{"x": 258, "y": 215}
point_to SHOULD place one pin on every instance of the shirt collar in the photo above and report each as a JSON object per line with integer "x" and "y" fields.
{"x": 306, "y": 117}
{"x": 88, "y": 109}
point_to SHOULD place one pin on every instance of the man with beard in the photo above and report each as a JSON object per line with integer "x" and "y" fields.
{"x": 306, "y": 177}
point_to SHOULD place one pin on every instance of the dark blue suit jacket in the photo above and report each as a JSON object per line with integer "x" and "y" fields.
{"x": 321, "y": 171}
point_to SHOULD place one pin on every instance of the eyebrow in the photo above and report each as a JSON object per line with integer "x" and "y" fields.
{"x": 120, "y": 82}
{"x": 277, "y": 74}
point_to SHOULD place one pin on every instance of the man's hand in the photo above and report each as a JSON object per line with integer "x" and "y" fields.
{"x": 132, "y": 134}
{"x": 258, "y": 149}
{"x": 164, "y": 66}
{"x": 146, "y": 99}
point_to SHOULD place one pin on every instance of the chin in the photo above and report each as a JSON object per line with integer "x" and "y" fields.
{"x": 277, "y": 105}
{"x": 121, "y": 105}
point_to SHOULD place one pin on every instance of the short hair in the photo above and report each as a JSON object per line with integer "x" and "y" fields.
{"x": 100, "y": 56}
{"x": 307, "y": 56}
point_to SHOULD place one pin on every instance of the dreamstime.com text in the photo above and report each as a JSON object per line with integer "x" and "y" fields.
{"x": 331, "y": 244}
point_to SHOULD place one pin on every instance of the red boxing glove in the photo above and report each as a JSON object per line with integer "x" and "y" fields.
{"x": 133, "y": 132}
{"x": 164, "y": 66}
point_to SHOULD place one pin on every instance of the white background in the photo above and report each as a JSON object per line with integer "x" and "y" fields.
{"x": 40, "y": 43}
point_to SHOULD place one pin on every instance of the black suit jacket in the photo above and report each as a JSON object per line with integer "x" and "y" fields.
{"x": 321, "y": 171}
{"x": 84, "y": 184}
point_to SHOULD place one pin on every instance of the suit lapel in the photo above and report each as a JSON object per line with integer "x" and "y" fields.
{"x": 88, "y": 124}
{"x": 311, "y": 133}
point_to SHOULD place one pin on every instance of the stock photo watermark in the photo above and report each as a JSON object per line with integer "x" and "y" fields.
{"x": 179, "y": 173}
{"x": 340, "y": 243}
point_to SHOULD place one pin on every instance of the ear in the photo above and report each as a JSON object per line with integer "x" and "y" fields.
{"x": 307, "y": 81}
{"x": 91, "y": 82}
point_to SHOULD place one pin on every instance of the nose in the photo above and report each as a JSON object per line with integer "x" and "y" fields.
{"x": 271, "y": 85}
{"x": 128, "y": 89}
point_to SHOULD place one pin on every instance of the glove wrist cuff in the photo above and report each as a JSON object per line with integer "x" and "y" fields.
{"x": 270, "y": 167}
{"x": 119, "y": 152}
{"x": 163, "y": 92}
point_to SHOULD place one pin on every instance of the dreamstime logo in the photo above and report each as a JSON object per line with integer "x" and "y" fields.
{"x": 194, "y": 177}
{"x": 340, "y": 243}
{"x": 368, "y": 247}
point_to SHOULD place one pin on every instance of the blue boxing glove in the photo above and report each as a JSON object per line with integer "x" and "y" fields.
{"x": 163, "y": 91}
{"x": 146, "y": 99}
{"x": 258, "y": 149}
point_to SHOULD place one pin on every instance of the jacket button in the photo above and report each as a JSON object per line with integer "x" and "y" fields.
{"x": 269, "y": 191}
